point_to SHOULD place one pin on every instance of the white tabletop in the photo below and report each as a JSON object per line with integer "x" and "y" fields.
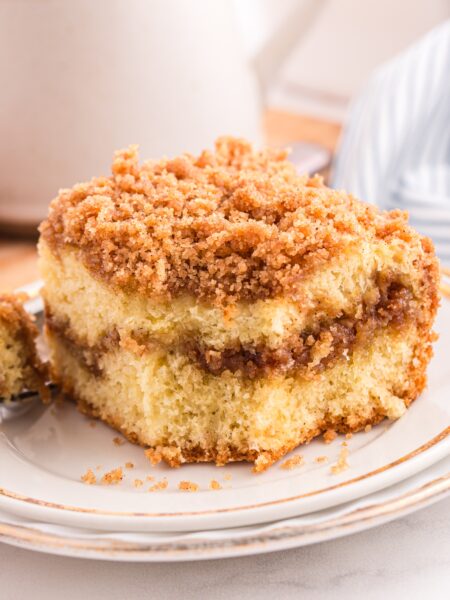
{"x": 408, "y": 558}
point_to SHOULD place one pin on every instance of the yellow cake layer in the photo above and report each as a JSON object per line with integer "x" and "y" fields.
{"x": 163, "y": 401}
{"x": 93, "y": 308}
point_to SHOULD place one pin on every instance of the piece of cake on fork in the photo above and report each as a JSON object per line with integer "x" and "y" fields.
{"x": 221, "y": 307}
{"x": 21, "y": 368}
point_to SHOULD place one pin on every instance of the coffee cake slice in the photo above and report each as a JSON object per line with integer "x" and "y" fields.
{"x": 21, "y": 369}
{"x": 220, "y": 307}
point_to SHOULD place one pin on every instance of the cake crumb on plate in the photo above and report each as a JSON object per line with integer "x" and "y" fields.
{"x": 113, "y": 477}
{"x": 89, "y": 477}
{"x": 188, "y": 486}
{"x": 321, "y": 459}
{"x": 292, "y": 463}
{"x": 159, "y": 485}
{"x": 214, "y": 485}
{"x": 342, "y": 463}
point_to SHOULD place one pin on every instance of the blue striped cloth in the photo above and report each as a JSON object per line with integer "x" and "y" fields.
{"x": 395, "y": 149}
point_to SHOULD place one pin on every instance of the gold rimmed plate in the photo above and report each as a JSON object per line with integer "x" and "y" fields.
{"x": 410, "y": 495}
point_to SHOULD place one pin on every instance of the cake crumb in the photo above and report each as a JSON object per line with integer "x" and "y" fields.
{"x": 214, "y": 485}
{"x": 89, "y": 477}
{"x": 138, "y": 483}
{"x": 92, "y": 424}
{"x": 263, "y": 461}
{"x": 342, "y": 463}
{"x": 292, "y": 463}
{"x": 321, "y": 459}
{"x": 329, "y": 436}
{"x": 154, "y": 456}
{"x": 188, "y": 486}
{"x": 368, "y": 428}
{"x": 227, "y": 477}
{"x": 118, "y": 441}
{"x": 150, "y": 478}
{"x": 348, "y": 436}
{"x": 129, "y": 465}
{"x": 113, "y": 477}
{"x": 159, "y": 485}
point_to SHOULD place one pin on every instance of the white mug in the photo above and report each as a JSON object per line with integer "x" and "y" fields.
{"x": 82, "y": 79}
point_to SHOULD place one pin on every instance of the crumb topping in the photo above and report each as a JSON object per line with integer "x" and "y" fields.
{"x": 113, "y": 477}
{"x": 89, "y": 477}
{"x": 230, "y": 224}
{"x": 188, "y": 486}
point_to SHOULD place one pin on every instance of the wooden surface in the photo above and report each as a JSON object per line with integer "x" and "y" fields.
{"x": 18, "y": 259}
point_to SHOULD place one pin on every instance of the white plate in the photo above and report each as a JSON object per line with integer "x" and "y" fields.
{"x": 44, "y": 453}
{"x": 383, "y": 506}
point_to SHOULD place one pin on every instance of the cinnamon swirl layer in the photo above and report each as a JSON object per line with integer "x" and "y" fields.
{"x": 310, "y": 351}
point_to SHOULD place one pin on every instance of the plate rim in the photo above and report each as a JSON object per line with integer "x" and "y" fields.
{"x": 293, "y": 536}
{"x": 440, "y": 437}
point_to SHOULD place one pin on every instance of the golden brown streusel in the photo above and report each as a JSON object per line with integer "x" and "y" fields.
{"x": 230, "y": 224}
{"x": 89, "y": 477}
{"x": 113, "y": 477}
{"x": 188, "y": 486}
{"x": 293, "y": 462}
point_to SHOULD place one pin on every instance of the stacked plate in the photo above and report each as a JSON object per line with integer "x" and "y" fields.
{"x": 392, "y": 470}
